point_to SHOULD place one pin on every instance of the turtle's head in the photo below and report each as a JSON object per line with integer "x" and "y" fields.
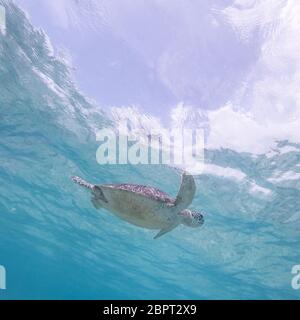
{"x": 192, "y": 219}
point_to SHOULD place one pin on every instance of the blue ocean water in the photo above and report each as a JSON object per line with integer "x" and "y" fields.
{"x": 54, "y": 244}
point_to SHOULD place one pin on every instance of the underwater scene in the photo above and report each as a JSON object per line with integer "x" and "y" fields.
{"x": 226, "y": 226}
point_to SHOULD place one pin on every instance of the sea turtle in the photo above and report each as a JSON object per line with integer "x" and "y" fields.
{"x": 146, "y": 206}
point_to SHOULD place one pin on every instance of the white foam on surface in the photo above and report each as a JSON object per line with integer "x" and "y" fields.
{"x": 284, "y": 176}
{"x": 257, "y": 189}
{"x": 224, "y": 172}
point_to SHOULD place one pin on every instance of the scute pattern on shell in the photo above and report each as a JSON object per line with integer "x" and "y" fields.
{"x": 147, "y": 191}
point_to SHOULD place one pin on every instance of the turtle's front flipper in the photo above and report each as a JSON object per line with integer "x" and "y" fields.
{"x": 186, "y": 192}
{"x": 165, "y": 230}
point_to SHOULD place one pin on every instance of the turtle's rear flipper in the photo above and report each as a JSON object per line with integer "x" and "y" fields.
{"x": 165, "y": 230}
{"x": 82, "y": 182}
{"x": 96, "y": 203}
{"x": 98, "y": 194}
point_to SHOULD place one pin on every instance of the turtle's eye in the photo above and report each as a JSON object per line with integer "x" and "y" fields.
{"x": 198, "y": 217}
